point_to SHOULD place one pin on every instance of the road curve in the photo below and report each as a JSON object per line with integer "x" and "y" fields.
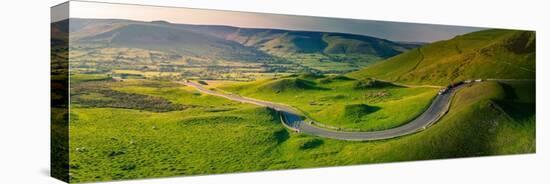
{"x": 291, "y": 119}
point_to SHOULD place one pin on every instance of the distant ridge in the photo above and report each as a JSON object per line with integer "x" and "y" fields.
{"x": 229, "y": 41}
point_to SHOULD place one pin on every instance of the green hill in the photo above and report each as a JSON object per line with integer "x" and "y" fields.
{"x": 167, "y": 38}
{"x": 504, "y": 54}
{"x": 322, "y": 51}
{"x": 273, "y": 86}
{"x": 282, "y": 42}
{"x": 353, "y": 112}
{"x": 342, "y": 102}
{"x": 291, "y": 84}
{"x": 278, "y": 41}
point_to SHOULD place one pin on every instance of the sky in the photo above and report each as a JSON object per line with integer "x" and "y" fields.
{"x": 395, "y": 31}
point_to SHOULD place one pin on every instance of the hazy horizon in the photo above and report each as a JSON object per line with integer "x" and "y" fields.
{"x": 395, "y": 31}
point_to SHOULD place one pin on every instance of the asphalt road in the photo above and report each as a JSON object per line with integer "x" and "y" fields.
{"x": 291, "y": 119}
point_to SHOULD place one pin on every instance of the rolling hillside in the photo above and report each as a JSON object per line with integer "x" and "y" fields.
{"x": 504, "y": 54}
{"x": 282, "y": 42}
{"x": 341, "y": 102}
{"x": 166, "y": 38}
{"x": 237, "y": 43}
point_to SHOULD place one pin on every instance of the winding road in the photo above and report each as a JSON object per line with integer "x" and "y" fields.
{"x": 291, "y": 119}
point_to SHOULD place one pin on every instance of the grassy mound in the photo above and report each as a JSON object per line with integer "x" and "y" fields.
{"x": 289, "y": 84}
{"x": 356, "y": 111}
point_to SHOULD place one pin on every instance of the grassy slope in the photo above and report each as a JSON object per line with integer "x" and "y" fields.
{"x": 483, "y": 54}
{"x": 282, "y": 42}
{"x": 126, "y": 143}
{"x": 109, "y": 143}
{"x": 144, "y": 144}
{"x": 337, "y": 103}
{"x": 473, "y": 127}
{"x": 326, "y": 52}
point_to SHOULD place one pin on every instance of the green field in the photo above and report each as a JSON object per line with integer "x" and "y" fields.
{"x": 214, "y": 135}
{"x": 342, "y": 102}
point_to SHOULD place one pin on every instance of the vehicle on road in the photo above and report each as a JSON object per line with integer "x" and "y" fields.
{"x": 442, "y": 91}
